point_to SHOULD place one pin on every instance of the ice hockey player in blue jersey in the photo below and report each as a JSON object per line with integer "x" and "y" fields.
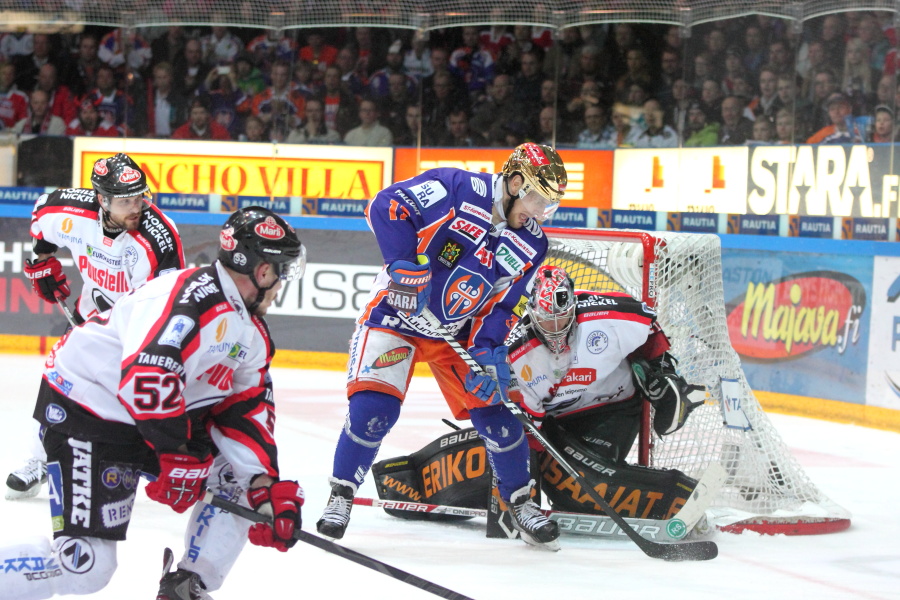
{"x": 466, "y": 245}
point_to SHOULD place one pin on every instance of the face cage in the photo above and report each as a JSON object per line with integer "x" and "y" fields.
{"x": 554, "y": 340}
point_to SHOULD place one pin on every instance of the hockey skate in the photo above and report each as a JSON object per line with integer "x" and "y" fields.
{"x": 337, "y": 513}
{"x": 26, "y": 482}
{"x": 179, "y": 584}
{"x": 536, "y": 529}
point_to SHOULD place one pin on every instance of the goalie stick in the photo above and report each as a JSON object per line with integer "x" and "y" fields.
{"x": 699, "y": 550}
{"x": 666, "y": 530}
{"x": 328, "y": 546}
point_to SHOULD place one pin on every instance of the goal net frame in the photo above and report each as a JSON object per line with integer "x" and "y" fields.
{"x": 679, "y": 275}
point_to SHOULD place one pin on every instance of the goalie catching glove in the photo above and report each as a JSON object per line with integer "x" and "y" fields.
{"x": 671, "y": 396}
{"x": 410, "y": 286}
{"x": 281, "y": 501}
{"x": 48, "y": 279}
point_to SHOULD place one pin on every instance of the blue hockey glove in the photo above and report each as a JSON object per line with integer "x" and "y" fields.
{"x": 410, "y": 286}
{"x": 493, "y": 386}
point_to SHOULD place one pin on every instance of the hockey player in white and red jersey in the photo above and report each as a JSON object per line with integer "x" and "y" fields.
{"x": 177, "y": 368}
{"x": 585, "y": 362}
{"x": 118, "y": 239}
{"x": 475, "y": 239}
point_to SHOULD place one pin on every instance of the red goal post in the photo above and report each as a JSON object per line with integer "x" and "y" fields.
{"x": 680, "y": 276}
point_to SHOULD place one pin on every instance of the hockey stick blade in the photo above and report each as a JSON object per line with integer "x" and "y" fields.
{"x": 699, "y": 550}
{"x": 328, "y": 546}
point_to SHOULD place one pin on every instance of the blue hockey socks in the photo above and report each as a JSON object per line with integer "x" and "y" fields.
{"x": 370, "y": 418}
{"x": 504, "y": 438}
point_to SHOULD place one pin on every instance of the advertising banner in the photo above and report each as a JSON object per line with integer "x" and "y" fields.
{"x": 245, "y": 169}
{"x": 800, "y": 326}
{"x": 710, "y": 180}
{"x": 883, "y": 378}
{"x": 754, "y": 224}
{"x": 590, "y": 171}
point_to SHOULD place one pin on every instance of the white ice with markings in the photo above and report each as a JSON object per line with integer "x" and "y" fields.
{"x": 857, "y": 467}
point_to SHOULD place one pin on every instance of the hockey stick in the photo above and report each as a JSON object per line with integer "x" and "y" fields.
{"x": 66, "y": 311}
{"x": 669, "y": 530}
{"x": 700, "y": 550}
{"x": 328, "y": 546}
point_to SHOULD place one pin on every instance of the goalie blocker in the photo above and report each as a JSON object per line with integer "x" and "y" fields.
{"x": 454, "y": 471}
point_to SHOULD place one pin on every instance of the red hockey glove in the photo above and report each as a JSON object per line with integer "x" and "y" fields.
{"x": 282, "y": 500}
{"x": 181, "y": 481}
{"x": 48, "y": 279}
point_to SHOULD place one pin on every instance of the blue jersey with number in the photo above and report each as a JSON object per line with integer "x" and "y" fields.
{"x": 482, "y": 274}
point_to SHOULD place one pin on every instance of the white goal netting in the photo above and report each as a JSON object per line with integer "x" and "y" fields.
{"x": 680, "y": 274}
{"x": 408, "y": 14}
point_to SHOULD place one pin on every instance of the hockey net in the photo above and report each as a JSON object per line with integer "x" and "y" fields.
{"x": 680, "y": 275}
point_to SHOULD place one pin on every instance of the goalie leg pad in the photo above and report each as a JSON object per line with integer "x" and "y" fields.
{"x": 371, "y": 416}
{"x": 633, "y": 491}
{"x": 452, "y": 471}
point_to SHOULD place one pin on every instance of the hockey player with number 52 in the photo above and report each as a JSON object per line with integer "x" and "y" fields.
{"x": 465, "y": 245}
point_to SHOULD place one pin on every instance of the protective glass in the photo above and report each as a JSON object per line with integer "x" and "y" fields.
{"x": 294, "y": 270}
{"x": 537, "y": 206}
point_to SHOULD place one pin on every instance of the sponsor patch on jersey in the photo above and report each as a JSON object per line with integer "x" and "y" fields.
{"x": 519, "y": 243}
{"x": 468, "y": 229}
{"x": 450, "y": 253}
{"x": 76, "y": 555}
{"x": 519, "y": 309}
{"x": 428, "y": 193}
{"x": 115, "y": 475}
{"x": 54, "y": 413}
{"x": 463, "y": 293}
{"x": 179, "y": 326}
{"x": 479, "y": 186}
{"x": 221, "y": 330}
{"x": 485, "y": 256}
{"x": 579, "y": 376}
{"x": 60, "y": 382}
{"x": 507, "y": 259}
{"x": 597, "y": 342}
{"x": 392, "y": 357}
{"x": 55, "y": 487}
{"x": 476, "y": 211}
{"x": 103, "y": 258}
{"x": 238, "y": 353}
{"x": 117, "y": 513}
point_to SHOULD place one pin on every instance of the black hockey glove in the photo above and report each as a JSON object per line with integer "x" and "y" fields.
{"x": 672, "y": 397}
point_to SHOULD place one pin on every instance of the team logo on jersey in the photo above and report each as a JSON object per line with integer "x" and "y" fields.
{"x": 55, "y": 413}
{"x": 226, "y": 239}
{"x": 76, "y": 555}
{"x": 269, "y": 229}
{"x": 100, "y": 167}
{"x": 179, "y": 326}
{"x": 464, "y": 293}
{"x": 392, "y": 357}
{"x": 129, "y": 175}
{"x": 468, "y": 229}
{"x": 597, "y": 342}
{"x": 450, "y": 253}
{"x": 428, "y": 194}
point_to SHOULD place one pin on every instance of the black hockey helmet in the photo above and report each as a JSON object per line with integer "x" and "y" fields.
{"x": 255, "y": 234}
{"x": 119, "y": 177}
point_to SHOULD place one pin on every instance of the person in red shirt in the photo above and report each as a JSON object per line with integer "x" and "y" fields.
{"x": 317, "y": 52}
{"x": 88, "y": 123}
{"x": 200, "y": 125}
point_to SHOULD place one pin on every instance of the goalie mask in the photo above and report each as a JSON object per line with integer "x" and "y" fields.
{"x": 552, "y": 307}
{"x": 543, "y": 172}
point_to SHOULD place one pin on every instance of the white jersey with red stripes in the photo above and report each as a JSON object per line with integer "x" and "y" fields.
{"x": 110, "y": 266}
{"x": 182, "y": 345}
{"x": 593, "y": 369}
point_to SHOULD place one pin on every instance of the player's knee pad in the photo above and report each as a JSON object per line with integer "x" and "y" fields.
{"x": 498, "y": 427}
{"x": 371, "y": 416}
{"x": 86, "y": 564}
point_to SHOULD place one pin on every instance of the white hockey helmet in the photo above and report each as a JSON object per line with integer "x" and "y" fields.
{"x": 552, "y": 307}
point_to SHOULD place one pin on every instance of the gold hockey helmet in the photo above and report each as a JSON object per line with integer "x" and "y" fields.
{"x": 543, "y": 171}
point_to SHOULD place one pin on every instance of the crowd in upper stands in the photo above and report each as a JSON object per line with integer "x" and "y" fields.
{"x": 749, "y": 80}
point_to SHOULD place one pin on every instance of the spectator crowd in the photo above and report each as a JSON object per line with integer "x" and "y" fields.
{"x": 749, "y": 80}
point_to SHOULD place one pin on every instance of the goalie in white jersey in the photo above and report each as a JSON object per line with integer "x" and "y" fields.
{"x": 118, "y": 240}
{"x": 586, "y": 362}
{"x": 177, "y": 368}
